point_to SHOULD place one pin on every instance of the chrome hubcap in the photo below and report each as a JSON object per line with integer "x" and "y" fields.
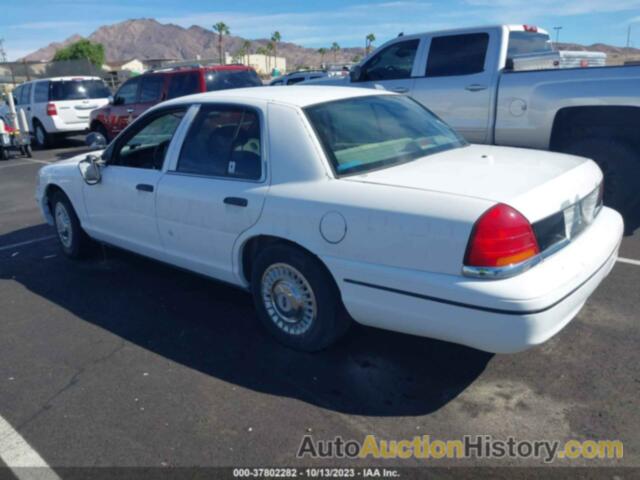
{"x": 63, "y": 225}
{"x": 288, "y": 298}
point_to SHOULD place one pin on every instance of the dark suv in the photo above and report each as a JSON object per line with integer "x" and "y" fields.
{"x": 144, "y": 91}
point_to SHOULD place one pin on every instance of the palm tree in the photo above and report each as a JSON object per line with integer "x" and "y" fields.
{"x": 335, "y": 48}
{"x": 369, "y": 39}
{"x": 275, "y": 38}
{"x": 222, "y": 29}
{"x": 246, "y": 46}
{"x": 262, "y": 51}
{"x": 269, "y": 48}
{"x": 322, "y": 52}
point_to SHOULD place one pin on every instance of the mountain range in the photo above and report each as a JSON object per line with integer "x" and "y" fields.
{"x": 149, "y": 39}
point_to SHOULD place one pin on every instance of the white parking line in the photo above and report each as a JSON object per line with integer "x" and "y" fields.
{"x": 27, "y": 242}
{"x": 20, "y": 457}
{"x": 630, "y": 261}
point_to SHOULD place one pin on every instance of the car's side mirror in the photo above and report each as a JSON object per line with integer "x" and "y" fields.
{"x": 95, "y": 141}
{"x": 118, "y": 100}
{"x": 90, "y": 169}
{"x": 356, "y": 73}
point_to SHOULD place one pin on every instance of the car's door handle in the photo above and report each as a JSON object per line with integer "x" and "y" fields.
{"x": 475, "y": 87}
{"x": 399, "y": 89}
{"x": 129, "y": 110}
{"x": 144, "y": 187}
{"x": 237, "y": 201}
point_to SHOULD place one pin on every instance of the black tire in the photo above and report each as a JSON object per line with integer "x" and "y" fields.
{"x": 620, "y": 165}
{"x": 99, "y": 128}
{"x": 78, "y": 244}
{"x": 28, "y": 151}
{"x": 4, "y": 154}
{"x": 330, "y": 321}
{"x": 41, "y": 137}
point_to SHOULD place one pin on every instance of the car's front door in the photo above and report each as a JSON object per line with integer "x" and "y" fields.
{"x": 121, "y": 207}
{"x": 391, "y": 68}
{"x": 122, "y": 111}
{"x": 214, "y": 191}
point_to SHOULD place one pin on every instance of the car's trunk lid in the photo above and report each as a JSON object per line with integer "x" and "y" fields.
{"x": 536, "y": 183}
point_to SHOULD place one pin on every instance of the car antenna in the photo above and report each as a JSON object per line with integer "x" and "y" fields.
{"x": 401, "y": 34}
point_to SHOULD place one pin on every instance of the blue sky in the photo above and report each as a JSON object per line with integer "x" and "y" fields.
{"x": 29, "y": 24}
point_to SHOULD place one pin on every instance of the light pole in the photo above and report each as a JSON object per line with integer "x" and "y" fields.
{"x": 557, "y": 29}
{"x": 629, "y": 36}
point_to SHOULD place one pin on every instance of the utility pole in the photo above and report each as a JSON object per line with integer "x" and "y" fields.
{"x": 557, "y": 29}
{"x": 629, "y": 36}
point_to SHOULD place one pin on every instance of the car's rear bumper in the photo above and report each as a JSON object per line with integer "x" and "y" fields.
{"x": 501, "y": 316}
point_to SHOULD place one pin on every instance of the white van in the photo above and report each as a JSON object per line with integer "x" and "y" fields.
{"x": 60, "y": 106}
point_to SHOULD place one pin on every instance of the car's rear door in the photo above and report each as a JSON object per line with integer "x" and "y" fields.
{"x": 215, "y": 190}
{"x": 456, "y": 81}
{"x": 121, "y": 208}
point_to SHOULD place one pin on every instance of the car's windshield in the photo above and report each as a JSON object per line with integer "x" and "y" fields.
{"x": 224, "y": 79}
{"x": 366, "y": 133}
{"x": 78, "y": 90}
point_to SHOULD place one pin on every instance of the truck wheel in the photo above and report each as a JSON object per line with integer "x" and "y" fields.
{"x": 42, "y": 138}
{"x": 99, "y": 128}
{"x": 296, "y": 299}
{"x": 620, "y": 165}
{"x": 28, "y": 151}
{"x": 74, "y": 241}
{"x": 4, "y": 154}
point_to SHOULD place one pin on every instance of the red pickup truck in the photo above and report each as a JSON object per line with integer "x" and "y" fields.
{"x": 144, "y": 91}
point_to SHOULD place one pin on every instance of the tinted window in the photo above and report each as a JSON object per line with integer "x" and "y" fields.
{"x": 41, "y": 93}
{"x": 224, "y": 79}
{"x": 522, "y": 43}
{"x": 223, "y": 142}
{"x": 128, "y": 92}
{"x": 181, "y": 84}
{"x": 151, "y": 89}
{"x": 17, "y": 92}
{"x": 457, "y": 55}
{"x": 293, "y": 81}
{"x": 361, "y": 134}
{"x": 393, "y": 63}
{"x": 147, "y": 146}
{"x": 78, "y": 89}
{"x": 25, "y": 95}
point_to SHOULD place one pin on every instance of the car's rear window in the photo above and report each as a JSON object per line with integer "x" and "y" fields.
{"x": 224, "y": 79}
{"x": 77, "y": 90}
{"x": 523, "y": 43}
{"x": 367, "y": 133}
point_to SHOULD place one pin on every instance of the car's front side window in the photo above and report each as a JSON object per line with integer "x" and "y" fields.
{"x": 223, "y": 141}
{"x": 128, "y": 93}
{"x": 367, "y": 133}
{"x": 394, "y": 62}
{"x": 146, "y": 146}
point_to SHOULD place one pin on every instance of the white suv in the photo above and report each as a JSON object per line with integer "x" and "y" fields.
{"x": 60, "y": 106}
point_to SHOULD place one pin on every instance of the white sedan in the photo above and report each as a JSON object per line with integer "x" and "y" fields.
{"x": 331, "y": 204}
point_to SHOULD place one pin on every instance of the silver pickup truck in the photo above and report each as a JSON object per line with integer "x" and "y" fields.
{"x": 467, "y": 77}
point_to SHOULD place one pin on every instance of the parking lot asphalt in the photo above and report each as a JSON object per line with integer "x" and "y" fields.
{"x": 121, "y": 361}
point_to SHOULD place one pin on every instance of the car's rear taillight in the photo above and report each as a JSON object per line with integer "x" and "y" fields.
{"x": 51, "y": 109}
{"x": 501, "y": 237}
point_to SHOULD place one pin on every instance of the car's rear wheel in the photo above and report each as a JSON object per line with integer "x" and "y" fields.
{"x": 296, "y": 299}
{"x": 4, "y": 154}
{"x": 74, "y": 241}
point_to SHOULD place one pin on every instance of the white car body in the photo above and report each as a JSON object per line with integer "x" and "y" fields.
{"x": 393, "y": 239}
{"x": 72, "y": 116}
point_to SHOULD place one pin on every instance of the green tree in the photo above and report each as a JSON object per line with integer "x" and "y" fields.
{"x": 269, "y": 47}
{"x": 221, "y": 29}
{"x": 246, "y": 47}
{"x": 82, "y": 49}
{"x": 275, "y": 38}
{"x": 322, "y": 52}
{"x": 335, "y": 48}
{"x": 369, "y": 39}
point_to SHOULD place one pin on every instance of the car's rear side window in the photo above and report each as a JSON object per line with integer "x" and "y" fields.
{"x": 181, "y": 84}
{"x": 522, "y": 43}
{"x": 151, "y": 88}
{"x": 453, "y": 55}
{"x": 41, "y": 92}
{"x": 225, "y": 79}
{"x": 223, "y": 141}
{"x": 61, "y": 90}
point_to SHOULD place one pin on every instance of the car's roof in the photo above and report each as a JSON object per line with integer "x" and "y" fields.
{"x": 295, "y": 95}
{"x": 64, "y": 79}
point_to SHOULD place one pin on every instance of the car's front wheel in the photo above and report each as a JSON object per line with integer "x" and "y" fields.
{"x": 74, "y": 241}
{"x": 296, "y": 299}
